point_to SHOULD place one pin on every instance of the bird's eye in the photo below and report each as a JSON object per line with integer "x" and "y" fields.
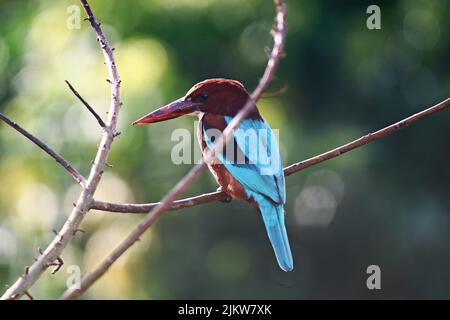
{"x": 203, "y": 96}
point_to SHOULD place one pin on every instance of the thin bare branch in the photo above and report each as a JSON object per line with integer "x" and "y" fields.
{"x": 279, "y": 35}
{"x": 293, "y": 168}
{"x": 367, "y": 138}
{"x": 52, "y": 153}
{"x": 91, "y": 110}
{"x": 146, "y": 207}
{"x": 63, "y": 237}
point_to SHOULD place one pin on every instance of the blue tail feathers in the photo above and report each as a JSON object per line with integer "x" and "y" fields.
{"x": 273, "y": 216}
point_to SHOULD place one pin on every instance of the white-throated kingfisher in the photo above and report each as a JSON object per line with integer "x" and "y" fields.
{"x": 251, "y": 168}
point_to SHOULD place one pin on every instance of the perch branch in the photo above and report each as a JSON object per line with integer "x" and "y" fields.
{"x": 63, "y": 237}
{"x": 293, "y": 168}
{"x": 63, "y": 162}
{"x": 91, "y": 110}
{"x": 368, "y": 138}
{"x": 146, "y": 207}
{"x": 279, "y": 36}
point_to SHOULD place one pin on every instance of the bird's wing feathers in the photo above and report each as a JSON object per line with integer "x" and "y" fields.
{"x": 259, "y": 168}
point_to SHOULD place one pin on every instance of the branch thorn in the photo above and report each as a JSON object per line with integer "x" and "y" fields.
{"x": 28, "y": 294}
{"x": 59, "y": 263}
{"x": 78, "y": 231}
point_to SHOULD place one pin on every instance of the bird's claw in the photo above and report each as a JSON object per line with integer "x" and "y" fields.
{"x": 227, "y": 199}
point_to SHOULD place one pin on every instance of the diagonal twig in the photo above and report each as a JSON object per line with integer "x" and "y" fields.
{"x": 368, "y": 138}
{"x": 52, "y": 153}
{"x": 279, "y": 35}
{"x": 91, "y": 110}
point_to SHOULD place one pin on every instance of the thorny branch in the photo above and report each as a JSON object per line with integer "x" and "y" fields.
{"x": 55, "y": 248}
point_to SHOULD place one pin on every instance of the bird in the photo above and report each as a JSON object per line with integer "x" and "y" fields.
{"x": 246, "y": 169}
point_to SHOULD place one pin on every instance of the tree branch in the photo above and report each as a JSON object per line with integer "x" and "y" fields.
{"x": 91, "y": 110}
{"x": 146, "y": 207}
{"x": 63, "y": 237}
{"x": 63, "y": 162}
{"x": 293, "y": 168}
{"x": 279, "y": 36}
{"x": 370, "y": 137}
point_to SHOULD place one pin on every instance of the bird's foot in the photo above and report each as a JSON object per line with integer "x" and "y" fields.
{"x": 227, "y": 199}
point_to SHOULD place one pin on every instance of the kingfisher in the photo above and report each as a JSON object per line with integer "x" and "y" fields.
{"x": 249, "y": 167}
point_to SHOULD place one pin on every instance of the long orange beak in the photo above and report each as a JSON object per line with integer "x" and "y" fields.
{"x": 172, "y": 110}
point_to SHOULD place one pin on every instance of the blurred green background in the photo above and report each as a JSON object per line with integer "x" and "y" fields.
{"x": 385, "y": 204}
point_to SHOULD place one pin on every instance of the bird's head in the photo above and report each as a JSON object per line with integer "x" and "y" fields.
{"x": 217, "y": 96}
